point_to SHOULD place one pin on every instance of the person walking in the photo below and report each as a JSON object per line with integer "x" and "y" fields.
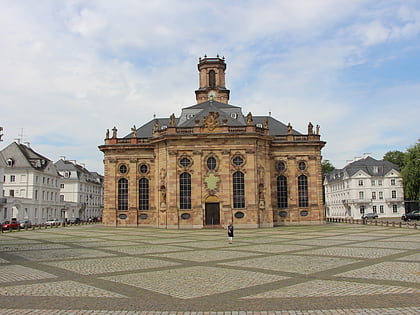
{"x": 230, "y": 233}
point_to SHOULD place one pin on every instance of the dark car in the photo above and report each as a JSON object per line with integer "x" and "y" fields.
{"x": 369, "y": 216}
{"x": 413, "y": 215}
{"x": 74, "y": 221}
{"x": 10, "y": 225}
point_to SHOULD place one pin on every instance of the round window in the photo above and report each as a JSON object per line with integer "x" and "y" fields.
{"x": 238, "y": 161}
{"x": 302, "y": 166}
{"x": 211, "y": 163}
{"x": 281, "y": 166}
{"x": 185, "y": 162}
{"x": 143, "y": 169}
{"x": 123, "y": 169}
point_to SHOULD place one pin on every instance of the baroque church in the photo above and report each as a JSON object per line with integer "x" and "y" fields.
{"x": 211, "y": 166}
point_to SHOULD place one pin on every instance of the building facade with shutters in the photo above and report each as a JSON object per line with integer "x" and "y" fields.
{"x": 211, "y": 166}
{"x": 365, "y": 185}
{"x": 80, "y": 187}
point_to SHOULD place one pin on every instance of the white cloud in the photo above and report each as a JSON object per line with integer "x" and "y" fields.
{"x": 72, "y": 69}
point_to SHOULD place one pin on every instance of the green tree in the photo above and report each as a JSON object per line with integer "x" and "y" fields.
{"x": 327, "y": 167}
{"x": 411, "y": 172}
{"x": 396, "y": 157}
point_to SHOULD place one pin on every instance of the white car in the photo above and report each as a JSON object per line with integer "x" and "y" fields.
{"x": 52, "y": 222}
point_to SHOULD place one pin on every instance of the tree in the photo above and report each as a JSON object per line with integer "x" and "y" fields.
{"x": 411, "y": 172}
{"x": 396, "y": 157}
{"x": 327, "y": 167}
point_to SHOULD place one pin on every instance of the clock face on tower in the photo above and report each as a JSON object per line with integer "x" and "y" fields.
{"x": 212, "y": 95}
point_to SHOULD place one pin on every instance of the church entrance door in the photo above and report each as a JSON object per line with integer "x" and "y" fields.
{"x": 212, "y": 213}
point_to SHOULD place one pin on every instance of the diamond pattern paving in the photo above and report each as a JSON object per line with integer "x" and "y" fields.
{"x": 194, "y": 282}
{"x": 95, "y": 266}
{"x": 333, "y": 288}
{"x": 62, "y": 288}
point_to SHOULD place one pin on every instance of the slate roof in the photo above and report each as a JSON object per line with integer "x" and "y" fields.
{"x": 200, "y": 111}
{"x": 368, "y": 165}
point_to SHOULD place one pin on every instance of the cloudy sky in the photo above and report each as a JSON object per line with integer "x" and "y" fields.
{"x": 71, "y": 69}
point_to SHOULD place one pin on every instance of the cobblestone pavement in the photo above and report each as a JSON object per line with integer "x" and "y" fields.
{"x": 329, "y": 269}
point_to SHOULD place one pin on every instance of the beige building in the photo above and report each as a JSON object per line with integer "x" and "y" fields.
{"x": 213, "y": 165}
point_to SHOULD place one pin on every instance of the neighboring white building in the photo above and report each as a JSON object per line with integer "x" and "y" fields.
{"x": 31, "y": 186}
{"x": 365, "y": 185}
{"x": 2, "y": 177}
{"x": 80, "y": 186}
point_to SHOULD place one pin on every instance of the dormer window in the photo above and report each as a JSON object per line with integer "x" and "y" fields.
{"x": 10, "y": 162}
{"x": 234, "y": 115}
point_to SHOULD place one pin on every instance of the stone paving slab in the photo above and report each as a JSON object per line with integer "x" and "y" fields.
{"x": 195, "y": 282}
{"x": 292, "y": 263}
{"x": 329, "y": 269}
{"x": 107, "y": 265}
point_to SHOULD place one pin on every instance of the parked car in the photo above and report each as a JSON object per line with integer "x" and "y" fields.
{"x": 25, "y": 224}
{"x": 413, "y": 215}
{"x": 369, "y": 216}
{"x": 10, "y": 225}
{"x": 74, "y": 220}
{"x": 52, "y": 222}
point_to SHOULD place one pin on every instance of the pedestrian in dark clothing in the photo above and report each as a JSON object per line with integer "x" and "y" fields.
{"x": 230, "y": 233}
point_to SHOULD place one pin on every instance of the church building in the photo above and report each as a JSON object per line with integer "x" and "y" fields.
{"x": 213, "y": 165}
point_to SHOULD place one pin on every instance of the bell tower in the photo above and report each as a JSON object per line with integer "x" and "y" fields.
{"x": 212, "y": 80}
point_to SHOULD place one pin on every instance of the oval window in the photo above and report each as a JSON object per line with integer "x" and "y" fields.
{"x": 211, "y": 163}
{"x": 281, "y": 166}
{"x": 283, "y": 214}
{"x": 143, "y": 169}
{"x": 185, "y": 162}
{"x": 123, "y": 169}
{"x": 302, "y": 166}
{"x": 239, "y": 215}
{"x": 185, "y": 216}
{"x": 238, "y": 161}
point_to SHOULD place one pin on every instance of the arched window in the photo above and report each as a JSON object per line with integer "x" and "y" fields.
{"x": 185, "y": 191}
{"x": 143, "y": 194}
{"x": 123, "y": 194}
{"x": 282, "y": 191}
{"x": 303, "y": 191}
{"x": 212, "y": 78}
{"x": 238, "y": 190}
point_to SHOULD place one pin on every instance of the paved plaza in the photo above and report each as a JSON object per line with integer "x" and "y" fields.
{"x": 329, "y": 269}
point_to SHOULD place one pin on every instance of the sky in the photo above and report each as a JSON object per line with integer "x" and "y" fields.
{"x": 71, "y": 69}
